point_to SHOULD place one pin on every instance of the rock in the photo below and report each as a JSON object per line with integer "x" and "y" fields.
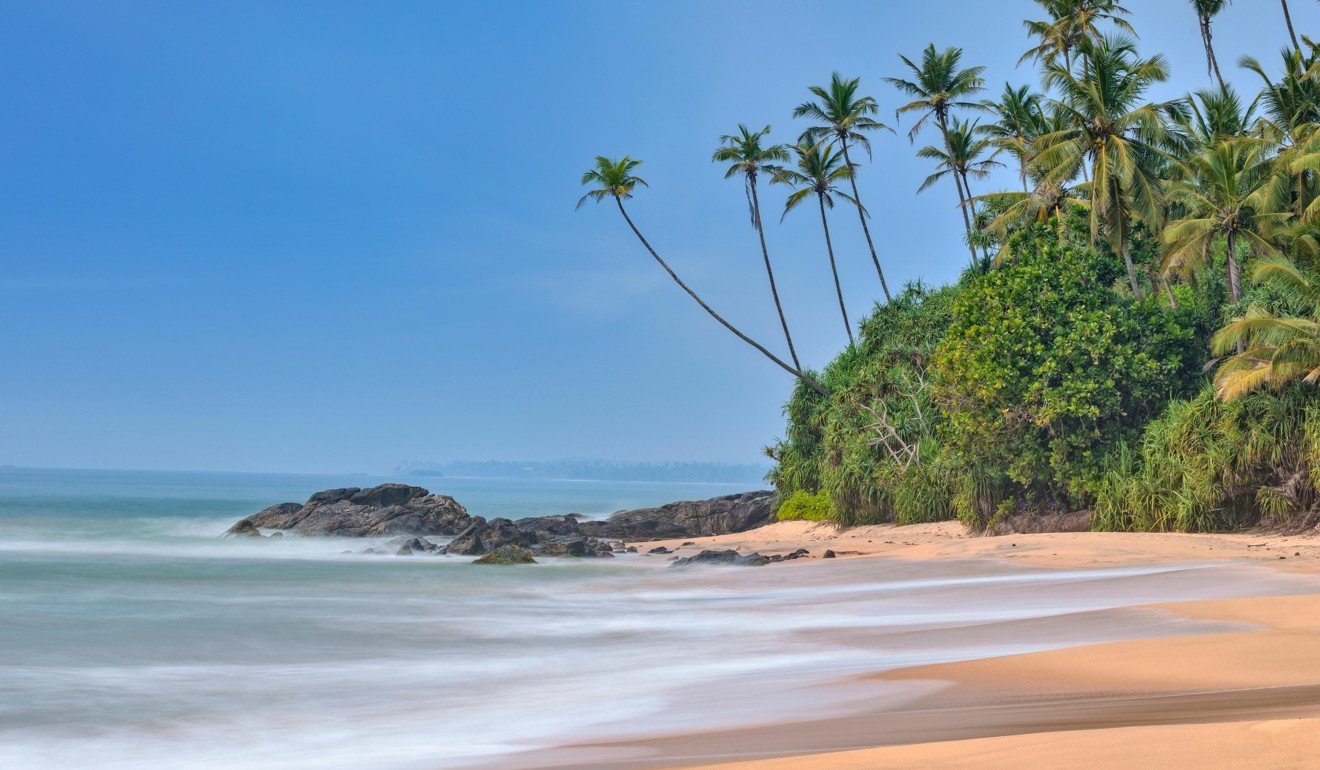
{"x": 276, "y": 536}
{"x": 689, "y": 518}
{"x": 632, "y": 549}
{"x": 828, "y": 555}
{"x": 403, "y": 551}
{"x": 733, "y": 558}
{"x": 244, "y": 528}
{"x": 507, "y": 554}
{"x": 659, "y": 549}
{"x": 353, "y": 512}
{"x": 413, "y": 545}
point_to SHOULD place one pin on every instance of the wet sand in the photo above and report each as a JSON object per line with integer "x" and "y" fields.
{"x": 1244, "y": 695}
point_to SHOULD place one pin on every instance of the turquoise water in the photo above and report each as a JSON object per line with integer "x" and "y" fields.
{"x": 131, "y": 636}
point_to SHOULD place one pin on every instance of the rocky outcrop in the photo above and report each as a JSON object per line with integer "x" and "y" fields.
{"x": 389, "y": 509}
{"x": 689, "y": 518}
{"x": 734, "y": 559}
{"x": 543, "y": 535}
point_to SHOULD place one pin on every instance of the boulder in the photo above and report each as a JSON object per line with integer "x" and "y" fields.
{"x": 244, "y": 528}
{"x": 388, "y": 509}
{"x": 507, "y": 554}
{"x": 688, "y": 518}
{"x": 735, "y": 559}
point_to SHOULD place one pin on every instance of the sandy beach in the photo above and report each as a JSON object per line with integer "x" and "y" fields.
{"x": 1246, "y": 695}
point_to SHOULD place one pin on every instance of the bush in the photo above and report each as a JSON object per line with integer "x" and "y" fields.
{"x": 805, "y": 506}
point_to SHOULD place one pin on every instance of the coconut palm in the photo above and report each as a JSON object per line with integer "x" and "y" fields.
{"x": 1205, "y": 11}
{"x": 820, "y": 169}
{"x": 1217, "y": 114}
{"x": 939, "y": 85}
{"x": 845, "y": 117}
{"x": 1287, "y": 19}
{"x": 965, "y": 157}
{"x": 1018, "y": 123}
{"x": 1067, "y": 24}
{"x": 615, "y": 180}
{"x": 747, "y": 155}
{"x": 1225, "y": 193}
{"x": 1271, "y": 349}
{"x": 1111, "y": 127}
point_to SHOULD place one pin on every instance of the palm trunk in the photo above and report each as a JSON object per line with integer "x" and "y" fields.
{"x": 971, "y": 204}
{"x": 774, "y": 291}
{"x": 1234, "y": 275}
{"x": 1131, "y": 270}
{"x": 1168, "y": 292}
{"x": 1211, "y": 62}
{"x": 829, "y": 247}
{"x": 962, "y": 200}
{"x": 861, "y": 214}
{"x": 806, "y": 379}
{"x": 1292, "y": 34}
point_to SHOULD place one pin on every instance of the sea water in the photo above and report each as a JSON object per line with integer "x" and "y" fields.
{"x": 133, "y": 636}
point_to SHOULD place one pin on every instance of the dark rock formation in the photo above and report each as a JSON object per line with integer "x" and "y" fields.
{"x": 388, "y": 509}
{"x": 659, "y": 549}
{"x": 735, "y": 559}
{"x": 1033, "y": 523}
{"x": 244, "y": 528}
{"x": 689, "y": 518}
{"x": 829, "y": 555}
{"x": 507, "y": 554}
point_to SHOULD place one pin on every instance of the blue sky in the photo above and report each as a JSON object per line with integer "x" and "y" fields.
{"x": 325, "y": 236}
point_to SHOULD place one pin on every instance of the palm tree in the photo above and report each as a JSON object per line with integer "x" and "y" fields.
{"x": 1019, "y": 122}
{"x": 1111, "y": 127}
{"x": 1271, "y": 349}
{"x": 614, "y": 179}
{"x": 819, "y": 171}
{"x": 938, "y": 87}
{"x": 1225, "y": 193}
{"x": 746, "y": 156}
{"x": 964, "y": 158}
{"x": 1070, "y": 22}
{"x": 846, "y": 118}
{"x": 1216, "y": 115}
{"x": 1205, "y": 11}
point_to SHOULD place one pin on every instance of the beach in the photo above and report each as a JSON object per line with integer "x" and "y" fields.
{"x": 1243, "y": 695}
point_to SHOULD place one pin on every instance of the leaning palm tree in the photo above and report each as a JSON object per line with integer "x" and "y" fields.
{"x": 965, "y": 157}
{"x": 614, "y": 180}
{"x": 819, "y": 171}
{"x": 747, "y": 156}
{"x": 1225, "y": 193}
{"x": 1019, "y": 121}
{"x": 1271, "y": 349}
{"x": 1067, "y": 24}
{"x": 939, "y": 86}
{"x": 1112, "y": 128}
{"x": 1287, "y": 19}
{"x": 845, "y": 117}
{"x": 1205, "y": 11}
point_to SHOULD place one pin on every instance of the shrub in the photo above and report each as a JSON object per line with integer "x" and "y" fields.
{"x": 806, "y": 507}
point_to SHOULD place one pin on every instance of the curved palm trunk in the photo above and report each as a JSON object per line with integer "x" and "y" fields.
{"x": 1131, "y": 268}
{"x": 957, "y": 181}
{"x": 774, "y": 291}
{"x": 829, "y": 247}
{"x": 1211, "y": 62}
{"x": 808, "y": 380}
{"x": 1292, "y": 34}
{"x": 861, "y": 214}
{"x": 971, "y": 204}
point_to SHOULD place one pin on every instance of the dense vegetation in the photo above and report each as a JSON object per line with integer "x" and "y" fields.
{"x": 1138, "y": 330}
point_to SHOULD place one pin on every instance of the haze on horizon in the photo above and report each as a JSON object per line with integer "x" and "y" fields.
{"x": 334, "y": 236}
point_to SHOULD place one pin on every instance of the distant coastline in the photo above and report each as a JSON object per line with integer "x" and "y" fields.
{"x": 590, "y": 470}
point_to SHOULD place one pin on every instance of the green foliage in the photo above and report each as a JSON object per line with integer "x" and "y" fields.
{"x": 806, "y": 507}
{"x": 1206, "y": 464}
{"x": 1044, "y": 367}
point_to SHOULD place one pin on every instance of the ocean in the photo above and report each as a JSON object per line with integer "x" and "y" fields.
{"x": 133, "y": 636}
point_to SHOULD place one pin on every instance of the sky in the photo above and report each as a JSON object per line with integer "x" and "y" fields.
{"x": 331, "y": 237}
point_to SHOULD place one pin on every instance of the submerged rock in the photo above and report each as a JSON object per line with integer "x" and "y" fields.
{"x": 507, "y": 554}
{"x": 389, "y": 509}
{"x": 735, "y": 559}
{"x": 244, "y": 528}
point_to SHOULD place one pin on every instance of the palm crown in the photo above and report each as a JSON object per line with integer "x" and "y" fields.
{"x": 614, "y": 178}
{"x": 840, "y": 112}
{"x": 938, "y": 85}
{"x": 819, "y": 169}
{"x": 746, "y": 153}
{"x": 1069, "y": 23}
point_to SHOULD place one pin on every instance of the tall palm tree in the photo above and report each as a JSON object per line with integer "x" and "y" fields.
{"x": 614, "y": 179}
{"x": 1018, "y": 123}
{"x": 1271, "y": 349}
{"x": 819, "y": 171}
{"x": 1225, "y": 193}
{"x": 964, "y": 158}
{"x": 1216, "y": 115}
{"x": 939, "y": 86}
{"x": 845, "y": 117}
{"x": 1205, "y": 11}
{"x": 747, "y": 155}
{"x": 1112, "y": 128}
{"x": 1067, "y": 24}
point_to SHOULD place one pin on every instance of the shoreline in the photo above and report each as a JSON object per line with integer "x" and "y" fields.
{"x": 1245, "y": 693}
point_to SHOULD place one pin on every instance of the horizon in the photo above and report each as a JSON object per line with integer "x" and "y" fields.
{"x": 287, "y": 239}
